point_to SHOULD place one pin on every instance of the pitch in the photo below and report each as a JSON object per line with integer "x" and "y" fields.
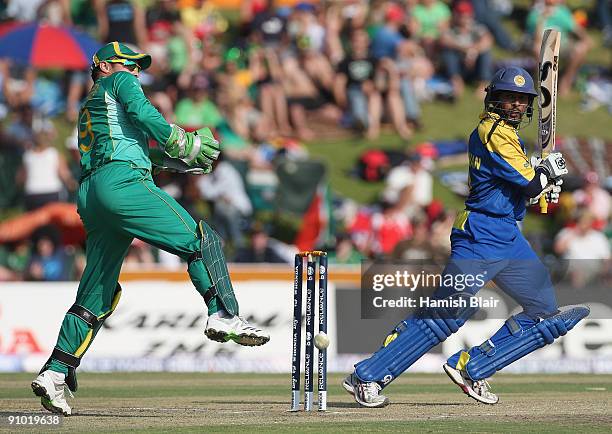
{"x": 176, "y": 402}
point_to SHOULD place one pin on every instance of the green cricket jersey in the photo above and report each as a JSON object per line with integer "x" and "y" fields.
{"x": 116, "y": 122}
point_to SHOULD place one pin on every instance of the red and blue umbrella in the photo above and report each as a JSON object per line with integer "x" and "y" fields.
{"x": 44, "y": 46}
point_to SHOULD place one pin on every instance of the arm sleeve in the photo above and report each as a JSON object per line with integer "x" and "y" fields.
{"x": 129, "y": 94}
{"x": 510, "y": 162}
{"x": 537, "y": 184}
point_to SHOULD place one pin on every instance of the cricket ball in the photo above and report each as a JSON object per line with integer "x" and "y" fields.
{"x": 321, "y": 341}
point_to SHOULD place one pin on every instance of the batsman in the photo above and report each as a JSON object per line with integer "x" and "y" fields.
{"x": 118, "y": 201}
{"x": 486, "y": 241}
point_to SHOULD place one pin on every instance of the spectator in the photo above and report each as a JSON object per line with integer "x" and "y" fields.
{"x": 139, "y": 253}
{"x": 196, "y": 109}
{"x": 14, "y": 258}
{"x": 45, "y": 170}
{"x": 17, "y": 83}
{"x": 440, "y": 228}
{"x": 354, "y": 87}
{"x": 231, "y": 204}
{"x": 81, "y": 14}
{"x": 341, "y": 20}
{"x": 466, "y": 50}
{"x": 604, "y": 13}
{"x": 395, "y": 84}
{"x": 304, "y": 26}
{"x": 487, "y": 15}
{"x": 121, "y": 20}
{"x": 575, "y": 42}
{"x": 49, "y": 261}
{"x": 345, "y": 251}
{"x": 414, "y": 69}
{"x": 260, "y": 250}
{"x": 268, "y": 27}
{"x": 78, "y": 81}
{"x": 387, "y": 38}
{"x": 389, "y": 227}
{"x": 168, "y": 38}
{"x": 204, "y": 19}
{"x": 430, "y": 19}
{"x": 31, "y": 10}
{"x": 418, "y": 247}
{"x": 267, "y": 75}
{"x": 303, "y": 93}
{"x": 410, "y": 186}
{"x": 586, "y": 249}
{"x": 387, "y": 81}
{"x": 594, "y": 199}
{"x": 20, "y": 129}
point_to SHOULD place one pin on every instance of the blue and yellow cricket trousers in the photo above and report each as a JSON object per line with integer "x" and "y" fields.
{"x": 495, "y": 248}
{"x": 118, "y": 203}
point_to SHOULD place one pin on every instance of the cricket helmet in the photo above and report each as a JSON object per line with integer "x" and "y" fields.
{"x": 510, "y": 79}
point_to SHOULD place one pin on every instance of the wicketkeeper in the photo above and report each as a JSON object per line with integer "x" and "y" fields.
{"x": 486, "y": 241}
{"x": 118, "y": 201}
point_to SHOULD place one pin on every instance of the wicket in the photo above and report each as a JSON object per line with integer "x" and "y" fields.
{"x": 297, "y": 330}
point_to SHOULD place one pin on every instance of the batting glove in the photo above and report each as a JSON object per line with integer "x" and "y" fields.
{"x": 553, "y": 165}
{"x": 552, "y": 196}
{"x": 551, "y": 193}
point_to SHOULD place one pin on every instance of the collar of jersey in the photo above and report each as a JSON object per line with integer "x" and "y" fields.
{"x": 494, "y": 117}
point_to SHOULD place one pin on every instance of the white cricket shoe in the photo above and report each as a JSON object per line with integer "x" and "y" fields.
{"x": 222, "y": 327}
{"x": 367, "y": 394}
{"x": 49, "y": 385}
{"x": 479, "y": 390}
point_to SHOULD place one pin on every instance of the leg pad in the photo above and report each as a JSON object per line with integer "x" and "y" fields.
{"x": 491, "y": 358}
{"x": 410, "y": 339}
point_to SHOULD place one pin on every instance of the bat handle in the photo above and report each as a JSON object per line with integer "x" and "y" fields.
{"x": 543, "y": 201}
{"x": 543, "y": 205}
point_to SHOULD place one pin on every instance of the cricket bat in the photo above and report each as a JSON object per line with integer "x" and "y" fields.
{"x": 547, "y": 102}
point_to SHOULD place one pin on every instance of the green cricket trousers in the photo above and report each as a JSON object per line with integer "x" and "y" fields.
{"x": 118, "y": 203}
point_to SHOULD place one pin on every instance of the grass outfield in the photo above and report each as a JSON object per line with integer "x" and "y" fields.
{"x": 167, "y": 402}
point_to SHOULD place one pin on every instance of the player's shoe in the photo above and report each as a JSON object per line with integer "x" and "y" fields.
{"x": 367, "y": 394}
{"x": 479, "y": 390}
{"x": 49, "y": 385}
{"x": 223, "y": 327}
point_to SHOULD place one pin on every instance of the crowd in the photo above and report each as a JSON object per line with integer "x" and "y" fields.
{"x": 266, "y": 80}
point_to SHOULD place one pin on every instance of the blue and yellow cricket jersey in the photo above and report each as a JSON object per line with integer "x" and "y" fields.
{"x": 499, "y": 169}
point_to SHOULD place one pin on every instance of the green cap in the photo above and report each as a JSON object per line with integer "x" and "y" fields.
{"x": 121, "y": 51}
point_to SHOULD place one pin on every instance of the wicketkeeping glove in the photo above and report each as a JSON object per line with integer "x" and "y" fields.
{"x": 197, "y": 149}
{"x": 162, "y": 162}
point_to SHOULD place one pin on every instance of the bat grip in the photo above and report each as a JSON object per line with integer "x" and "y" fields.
{"x": 543, "y": 205}
{"x": 543, "y": 201}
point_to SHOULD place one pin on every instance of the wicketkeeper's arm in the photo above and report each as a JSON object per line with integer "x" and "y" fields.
{"x": 198, "y": 149}
{"x": 139, "y": 109}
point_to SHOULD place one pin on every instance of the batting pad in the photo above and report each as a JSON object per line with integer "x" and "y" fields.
{"x": 520, "y": 342}
{"x": 412, "y": 338}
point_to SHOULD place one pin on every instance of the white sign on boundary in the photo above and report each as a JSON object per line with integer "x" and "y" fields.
{"x": 158, "y": 326}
